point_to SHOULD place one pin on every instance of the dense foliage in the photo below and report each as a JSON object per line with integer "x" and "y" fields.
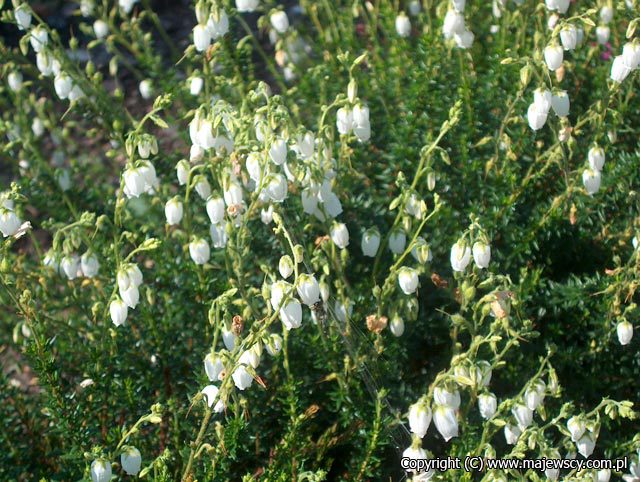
{"x": 298, "y": 242}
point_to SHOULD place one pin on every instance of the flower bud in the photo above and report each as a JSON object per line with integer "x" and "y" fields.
{"x": 421, "y": 251}
{"x": 274, "y": 344}
{"x": 182, "y": 172}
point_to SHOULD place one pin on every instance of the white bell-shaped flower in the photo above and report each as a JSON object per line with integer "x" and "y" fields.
{"x": 481, "y": 254}
{"x": 569, "y": 37}
{"x": 291, "y": 315}
{"x": 70, "y": 265}
{"x": 278, "y": 151}
{"x": 89, "y": 264}
{"x": 215, "y": 210}
{"x": 199, "y": 251}
{"x": 534, "y": 395}
{"x": 487, "y": 404}
{"x": 596, "y": 158}
{"x": 308, "y": 289}
{"x": 419, "y": 418}
{"x": 370, "y": 242}
{"x": 602, "y": 34}
{"x": 585, "y": 445}
{"x": 408, "y": 280}
{"x": 22, "y": 14}
{"x": 211, "y": 394}
{"x": 201, "y": 38}
{"x": 279, "y": 21}
{"x": 403, "y": 25}
{"x": 560, "y": 103}
{"x": 397, "y": 241}
{"x": 553, "y": 56}
{"x": 173, "y": 211}
{"x": 397, "y": 326}
{"x": 624, "y": 330}
{"x": 619, "y": 69}
{"x": 9, "y": 222}
{"x": 523, "y": 415}
{"x": 229, "y": 339}
{"x": 460, "y": 256}
{"x": 218, "y": 24}
{"x": 213, "y": 367}
{"x": 247, "y": 5}
{"x": 100, "y": 470}
{"x": 131, "y": 461}
{"x": 446, "y": 422}
{"x": 511, "y": 434}
{"x": 118, "y": 311}
{"x": 591, "y": 179}
{"x": 340, "y": 235}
